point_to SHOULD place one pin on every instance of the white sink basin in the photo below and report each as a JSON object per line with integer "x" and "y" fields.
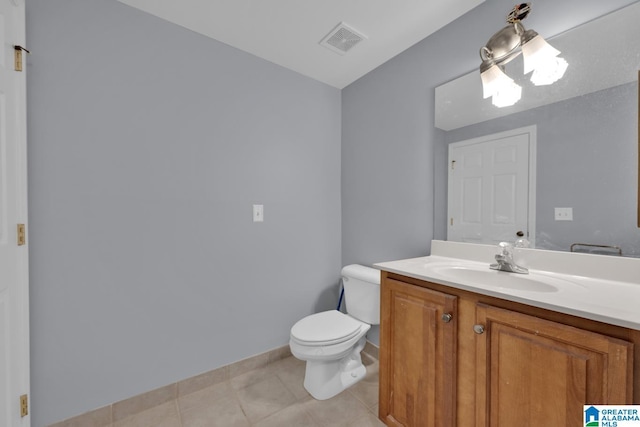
{"x": 484, "y": 277}
{"x": 596, "y": 287}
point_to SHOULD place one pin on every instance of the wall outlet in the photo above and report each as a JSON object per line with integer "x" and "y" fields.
{"x": 258, "y": 213}
{"x": 564, "y": 214}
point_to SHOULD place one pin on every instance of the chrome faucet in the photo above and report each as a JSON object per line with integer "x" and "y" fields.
{"x": 504, "y": 260}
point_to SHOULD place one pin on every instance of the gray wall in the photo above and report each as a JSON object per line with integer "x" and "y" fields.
{"x": 587, "y": 159}
{"x": 148, "y": 145}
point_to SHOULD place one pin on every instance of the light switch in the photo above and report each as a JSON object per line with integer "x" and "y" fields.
{"x": 258, "y": 213}
{"x": 564, "y": 214}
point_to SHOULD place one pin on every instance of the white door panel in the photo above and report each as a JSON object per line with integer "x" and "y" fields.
{"x": 14, "y": 327}
{"x": 491, "y": 195}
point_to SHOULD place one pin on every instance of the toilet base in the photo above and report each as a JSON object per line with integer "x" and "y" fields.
{"x": 325, "y": 379}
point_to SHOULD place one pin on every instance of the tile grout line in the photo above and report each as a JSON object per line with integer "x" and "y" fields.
{"x": 179, "y": 412}
{"x": 239, "y": 402}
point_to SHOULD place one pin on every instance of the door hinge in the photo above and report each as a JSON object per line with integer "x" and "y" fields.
{"x": 24, "y": 405}
{"x": 453, "y": 164}
{"x": 451, "y": 221}
{"x": 22, "y": 235}
{"x": 17, "y": 56}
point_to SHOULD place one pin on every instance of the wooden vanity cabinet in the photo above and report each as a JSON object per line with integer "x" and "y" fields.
{"x": 494, "y": 363}
{"x": 417, "y": 366}
{"x": 534, "y": 370}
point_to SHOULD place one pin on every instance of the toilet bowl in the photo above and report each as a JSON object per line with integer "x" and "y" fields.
{"x": 331, "y": 341}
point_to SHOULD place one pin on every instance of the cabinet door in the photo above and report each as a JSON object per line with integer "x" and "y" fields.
{"x": 418, "y": 356}
{"x": 533, "y": 372}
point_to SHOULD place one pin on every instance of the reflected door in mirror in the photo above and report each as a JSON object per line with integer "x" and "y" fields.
{"x": 489, "y": 188}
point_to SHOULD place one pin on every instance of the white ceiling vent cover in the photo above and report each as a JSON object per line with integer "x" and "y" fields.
{"x": 342, "y": 38}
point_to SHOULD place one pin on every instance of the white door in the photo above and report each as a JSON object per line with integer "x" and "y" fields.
{"x": 491, "y": 188}
{"x": 14, "y": 313}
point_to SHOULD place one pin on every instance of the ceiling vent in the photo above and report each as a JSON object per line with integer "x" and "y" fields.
{"x": 341, "y": 39}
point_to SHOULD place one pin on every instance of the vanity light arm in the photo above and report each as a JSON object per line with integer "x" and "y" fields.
{"x": 485, "y": 53}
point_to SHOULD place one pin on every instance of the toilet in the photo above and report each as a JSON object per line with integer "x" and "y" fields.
{"x": 331, "y": 341}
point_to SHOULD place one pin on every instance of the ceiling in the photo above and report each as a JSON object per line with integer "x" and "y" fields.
{"x": 288, "y": 32}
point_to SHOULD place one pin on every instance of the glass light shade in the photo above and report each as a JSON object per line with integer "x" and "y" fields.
{"x": 493, "y": 80}
{"x": 536, "y": 52}
{"x": 508, "y": 95}
{"x": 549, "y": 71}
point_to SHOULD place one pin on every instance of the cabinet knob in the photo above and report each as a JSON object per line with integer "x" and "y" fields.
{"x": 446, "y": 317}
{"x": 478, "y": 329}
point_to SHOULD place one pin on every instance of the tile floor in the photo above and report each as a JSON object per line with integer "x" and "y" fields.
{"x": 271, "y": 396}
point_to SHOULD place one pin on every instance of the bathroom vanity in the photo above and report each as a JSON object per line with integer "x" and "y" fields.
{"x": 462, "y": 345}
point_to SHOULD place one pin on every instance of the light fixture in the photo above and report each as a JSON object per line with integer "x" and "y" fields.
{"x": 539, "y": 57}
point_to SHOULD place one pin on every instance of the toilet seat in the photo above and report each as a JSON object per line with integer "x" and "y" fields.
{"x": 326, "y": 328}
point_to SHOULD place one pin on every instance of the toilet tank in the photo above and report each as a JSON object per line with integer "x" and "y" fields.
{"x": 362, "y": 293}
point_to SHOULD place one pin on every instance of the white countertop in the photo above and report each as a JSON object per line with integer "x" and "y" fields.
{"x": 596, "y": 287}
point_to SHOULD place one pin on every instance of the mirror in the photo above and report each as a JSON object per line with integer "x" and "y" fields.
{"x": 587, "y": 136}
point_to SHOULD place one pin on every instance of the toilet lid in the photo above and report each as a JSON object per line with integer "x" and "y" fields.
{"x": 328, "y": 327}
